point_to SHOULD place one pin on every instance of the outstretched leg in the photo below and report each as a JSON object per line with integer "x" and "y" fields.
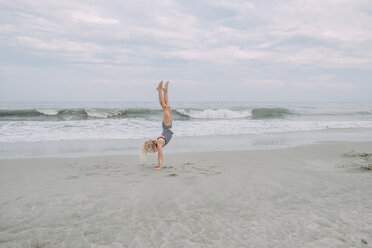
{"x": 161, "y": 98}
{"x": 167, "y": 110}
{"x": 165, "y": 89}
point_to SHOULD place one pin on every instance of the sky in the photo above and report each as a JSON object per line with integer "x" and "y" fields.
{"x": 210, "y": 50}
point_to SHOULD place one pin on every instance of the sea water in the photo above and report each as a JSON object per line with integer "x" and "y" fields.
{"x": 84, "y": 128}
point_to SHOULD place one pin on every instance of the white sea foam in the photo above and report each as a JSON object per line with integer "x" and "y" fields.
{"x": 98, "y": 113}
{"x": 46, "y": 111}
{"x": 136, "y": 121}
{"x": 136, "y": 128}
{"x": 215, "y": 113}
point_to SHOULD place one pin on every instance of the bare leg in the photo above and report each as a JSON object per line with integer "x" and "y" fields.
{"x": 161, "y": 98}
{"x": 160, "y": 86}
{"x": 168, "y": 110}
{"x": 165, "y": 89}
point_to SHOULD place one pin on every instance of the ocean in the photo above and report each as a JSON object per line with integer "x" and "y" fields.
{"x": 30, "y": 129}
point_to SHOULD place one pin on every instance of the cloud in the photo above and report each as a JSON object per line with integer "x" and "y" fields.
{"x": 320, "y": 82}
{"x": 92, "y": 18}
{"x": 238, "y": 5}
{"x": 193, "y": 41}
{"x": 58, "y": 45}
{"x": 256, "y": 31}
{"x": 229, "y": 55}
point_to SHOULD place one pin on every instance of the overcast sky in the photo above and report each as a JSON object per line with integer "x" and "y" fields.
{"x": 295, "y": 50}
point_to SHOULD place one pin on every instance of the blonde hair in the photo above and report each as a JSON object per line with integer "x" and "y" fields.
{"x": 149, "y": 147}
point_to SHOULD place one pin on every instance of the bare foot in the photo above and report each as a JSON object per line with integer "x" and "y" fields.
{"x": 165, "y": 88}
{"x": 160, "y": 86}
{"x": 157, "y": 168}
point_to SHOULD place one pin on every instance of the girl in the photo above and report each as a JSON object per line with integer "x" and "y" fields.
{"x": 151, "y": 146}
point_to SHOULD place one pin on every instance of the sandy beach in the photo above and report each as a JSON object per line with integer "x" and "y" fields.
{"x": 260, "y": 113}
{"x": 307, "y": 196}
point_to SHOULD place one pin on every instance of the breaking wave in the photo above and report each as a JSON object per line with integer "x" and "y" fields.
{"x": 60, "y": 114}
{"x": 54, "y": 114}
{"x": 215, "y": 113}
{"x": 63, "y": 114}
{"x": 255, "y": 113}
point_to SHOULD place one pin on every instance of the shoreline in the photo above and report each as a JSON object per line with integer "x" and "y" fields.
{"x": 82, "y": 148}
{"x": 142, "y": 157}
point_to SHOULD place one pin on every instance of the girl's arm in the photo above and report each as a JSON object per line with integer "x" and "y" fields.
{"x": 160, "y": 156}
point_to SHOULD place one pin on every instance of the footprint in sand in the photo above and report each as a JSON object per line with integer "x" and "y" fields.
{"x": 359, "y": 159}
{"x": 71, "y": 177}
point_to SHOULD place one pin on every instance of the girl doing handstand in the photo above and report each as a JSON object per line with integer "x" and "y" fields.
{"x": 151, "y": 146}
